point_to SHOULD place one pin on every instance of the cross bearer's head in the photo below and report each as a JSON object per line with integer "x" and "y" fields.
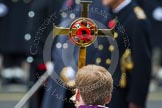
{"x": 94, "y": 86}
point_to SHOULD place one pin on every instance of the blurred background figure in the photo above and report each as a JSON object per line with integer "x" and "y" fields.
{"x": 13, "y": 47}
{"x": 13, "y": 50}
{"x": 136, "y": 26}
{"x": 19, "y": 22}
{"x": 153, "y": 9}
{"x": 41, "y": 16}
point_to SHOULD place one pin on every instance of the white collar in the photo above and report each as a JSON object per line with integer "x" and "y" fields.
{"x": 101, "y": 106}
{"x": 121, "y": 6}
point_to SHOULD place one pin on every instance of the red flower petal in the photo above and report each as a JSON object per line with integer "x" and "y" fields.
{"x": 112, "y": 24}
{"x": 42, "y": 67}
{"x": 69, "y": 3}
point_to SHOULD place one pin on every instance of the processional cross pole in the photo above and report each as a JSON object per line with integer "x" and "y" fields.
{"x": 83, "y": 32}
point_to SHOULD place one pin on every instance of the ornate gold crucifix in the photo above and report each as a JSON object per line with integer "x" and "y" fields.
{"x": 83, "y": 32}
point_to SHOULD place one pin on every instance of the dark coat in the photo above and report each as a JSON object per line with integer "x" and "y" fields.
{"x": 13, "y": 26}
{"x": 137, "y": 28}
{"x": 39, "y": 25}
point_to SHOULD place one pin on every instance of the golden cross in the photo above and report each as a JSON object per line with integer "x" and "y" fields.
{"x": 83, "y": 32}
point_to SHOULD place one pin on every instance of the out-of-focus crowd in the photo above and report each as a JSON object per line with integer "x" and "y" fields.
{"x": 22, "y": 42}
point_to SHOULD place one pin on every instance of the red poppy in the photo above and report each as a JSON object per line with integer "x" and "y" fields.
{"x": 84, "y": 34}
{"x": 112, "y": 23}
{"x": 41, "y": 67}
{"x": 69, "y": 3}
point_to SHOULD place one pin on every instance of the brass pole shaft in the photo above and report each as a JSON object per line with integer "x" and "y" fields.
{"x": 82, "y": 57}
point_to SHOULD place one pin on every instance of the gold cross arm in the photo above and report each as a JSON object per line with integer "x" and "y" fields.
{"x": 65, "y": 31}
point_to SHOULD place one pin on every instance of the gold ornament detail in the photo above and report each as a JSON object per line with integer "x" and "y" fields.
{"x": 139, "y": 12}
{"x": 115, "y": 35}
{"x": 126, "y": 66}
{"x": 108, "y": 61}
{"x": 123, "y": 81}
{"x": 98, "y": 60}
{"x": 111, "y": 48}
{"x": 100, "y": 47}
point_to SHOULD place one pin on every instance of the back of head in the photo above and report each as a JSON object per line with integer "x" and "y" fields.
{"x": 95, "y": 84}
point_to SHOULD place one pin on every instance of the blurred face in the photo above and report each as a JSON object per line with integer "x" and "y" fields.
{"x": 108, "y": 2}
{"x": 112, "y": 3}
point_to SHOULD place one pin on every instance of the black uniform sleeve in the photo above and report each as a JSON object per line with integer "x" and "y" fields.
{"x": 140, "y": 77}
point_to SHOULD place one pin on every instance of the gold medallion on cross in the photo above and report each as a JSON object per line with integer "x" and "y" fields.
{"x": 83, "y": 32}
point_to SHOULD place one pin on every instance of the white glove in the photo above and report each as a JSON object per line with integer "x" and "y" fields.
{"x": 3, "y": 9}
{"x": 157, "y": 14}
